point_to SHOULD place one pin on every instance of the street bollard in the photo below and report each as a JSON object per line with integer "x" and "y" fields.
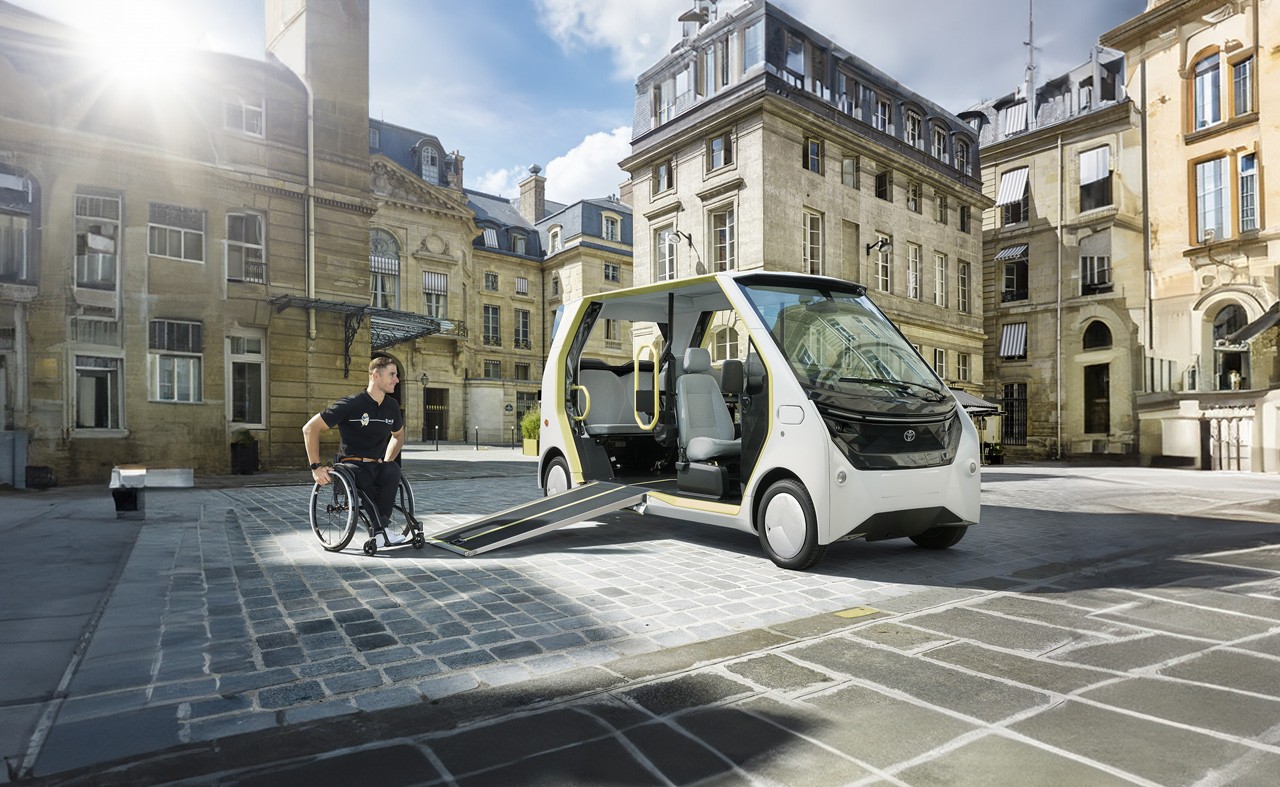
{"x": 477, "y": 438}
{"x": 513, "y": 437}
{"x": 437, "y": 437}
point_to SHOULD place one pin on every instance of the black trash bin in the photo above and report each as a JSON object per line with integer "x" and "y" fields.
{"x": 244, "y": 458}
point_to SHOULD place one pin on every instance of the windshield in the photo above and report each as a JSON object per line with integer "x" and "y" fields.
{"x": 837, "y": 340}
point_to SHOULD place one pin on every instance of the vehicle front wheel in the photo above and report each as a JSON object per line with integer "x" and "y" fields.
{"x": 788, "y": 526}
{"x": 939, "y": 537}
{"x": 556, "y": 478}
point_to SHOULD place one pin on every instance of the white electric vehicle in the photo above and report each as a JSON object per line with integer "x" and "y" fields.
{"x": 783, "y": 405}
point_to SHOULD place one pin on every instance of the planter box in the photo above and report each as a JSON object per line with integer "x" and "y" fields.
{"x": 530, "y": 446}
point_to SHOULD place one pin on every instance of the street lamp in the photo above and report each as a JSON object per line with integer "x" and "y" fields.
{"x": 423, "y": 379}
{"x": 883, "y": 243}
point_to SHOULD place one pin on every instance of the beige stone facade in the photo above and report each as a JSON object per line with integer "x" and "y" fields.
{"x": 743, "y": 161}
{"x": 1204, "y": 71}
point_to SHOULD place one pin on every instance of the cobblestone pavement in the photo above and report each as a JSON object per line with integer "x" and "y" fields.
{"x": 1095, "y": 617}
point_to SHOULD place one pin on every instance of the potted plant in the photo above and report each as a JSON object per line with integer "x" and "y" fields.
{"x": 995, "y": 454}
{"x": 530, "y": 424}
{"x": 244, "y": 453}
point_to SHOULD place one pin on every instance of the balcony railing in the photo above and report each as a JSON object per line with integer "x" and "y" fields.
{"x": 1013, "y": 295}
{"x": 521, "y": 344}
{"x": 492, "y": 341}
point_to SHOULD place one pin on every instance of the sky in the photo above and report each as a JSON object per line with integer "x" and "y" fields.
{"x": 512, "y": 83}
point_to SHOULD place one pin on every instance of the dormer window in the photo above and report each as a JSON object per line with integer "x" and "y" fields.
{"x": 553, "y": 236}
{"x": 430, "y": 165}
{"x": 611, "y": 228}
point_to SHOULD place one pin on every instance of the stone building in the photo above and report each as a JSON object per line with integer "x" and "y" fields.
{"x": 1065, "y": 288}
{"x": 760, "y": 143}
{"x": 1201, "y": 72}
{"x": 153, "y": 216}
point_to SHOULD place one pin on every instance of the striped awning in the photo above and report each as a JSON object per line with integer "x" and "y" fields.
{"x": 491, "y": 238}
{"x": 1013, "y": 340}
{"x": 1012, "y": 252}
{"x": 1013, "y": 184}
{"x": 379, "y": 263}
{"x": 1015, "y": 118}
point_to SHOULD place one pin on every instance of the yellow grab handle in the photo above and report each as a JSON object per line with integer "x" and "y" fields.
{"x": 586, "y": 395}
{"x": 635, "y": 384}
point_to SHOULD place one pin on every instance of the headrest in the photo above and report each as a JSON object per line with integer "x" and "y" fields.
{"x": 731, "y": 376}
{"x": 697, "y": 359}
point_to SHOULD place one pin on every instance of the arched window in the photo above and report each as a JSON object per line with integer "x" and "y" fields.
{"x": 430, "y": 165}
{"x": 1097, "y": 336}
{"x": 384, "y": 270}
{"x": 1229, "y": 320}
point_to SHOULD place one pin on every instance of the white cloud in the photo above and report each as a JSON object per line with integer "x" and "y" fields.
{"x": 637, "y": 33}
{"x": 501, "y": 182}
{"x": 591, "y": 168}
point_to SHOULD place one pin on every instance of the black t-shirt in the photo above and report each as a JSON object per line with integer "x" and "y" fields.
{"x": 365, "y": 426}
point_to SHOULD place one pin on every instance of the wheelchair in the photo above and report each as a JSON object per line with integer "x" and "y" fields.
{"x": 337, "y": 508}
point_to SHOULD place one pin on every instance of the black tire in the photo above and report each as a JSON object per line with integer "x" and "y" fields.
{"x": 334, "y": 512}
{"x": 419, "y": 541}
{"x": 404, "y": 505}
{"x": 788, "y": 527}
{"x": 939, "y": 537}
{"x": 556, "y": 477}
{"x": 371, "y": 547}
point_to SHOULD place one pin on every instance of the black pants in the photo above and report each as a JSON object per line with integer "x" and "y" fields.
{"x": 379, "y": 480}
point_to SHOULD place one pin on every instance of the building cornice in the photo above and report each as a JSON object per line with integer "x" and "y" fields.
{"x": 1122, "y": 115}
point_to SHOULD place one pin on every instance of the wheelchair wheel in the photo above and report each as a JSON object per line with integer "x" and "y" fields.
{"x": 335, "y": 510}
{"x": 404, "y": 505}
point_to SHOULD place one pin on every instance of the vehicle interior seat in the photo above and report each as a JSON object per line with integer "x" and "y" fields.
{"x": 706, "y": 429}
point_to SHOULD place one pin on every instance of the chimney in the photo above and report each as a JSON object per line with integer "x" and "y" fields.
{"x": 455, "y": 170}
{"x": 533, "y": 196}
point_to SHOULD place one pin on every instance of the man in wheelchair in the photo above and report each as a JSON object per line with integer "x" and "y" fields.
{"x": 371, "y": 428}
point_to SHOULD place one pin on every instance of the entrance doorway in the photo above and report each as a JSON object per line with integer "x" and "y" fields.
{"x": 435, "y": 414}
{"x": 1097, "y": 399}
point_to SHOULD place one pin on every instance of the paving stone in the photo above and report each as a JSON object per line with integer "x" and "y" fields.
{"x": 995, "y": 630}
{"x": 395, "y": 765}
{"x": 1035, "y": 673}
{"x": 88, "y": 741}
{"x": 292, "y": 694}
{"x": 1189, "y": 621}
{"x": 994, "y": 759}
{"x": 1130, "y": 654}
{"x": 686, "y": 691}
{"x": 898, "y": 636}
{"x": 777, "y": 673}
{"x": 512, "y": 740}
{"x": 1206, "y": 707}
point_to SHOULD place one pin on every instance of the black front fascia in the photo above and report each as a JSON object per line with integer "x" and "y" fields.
{"x": 891, "y": 441}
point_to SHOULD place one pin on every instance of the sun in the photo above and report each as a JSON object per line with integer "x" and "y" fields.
{"x": 138, "y": 43}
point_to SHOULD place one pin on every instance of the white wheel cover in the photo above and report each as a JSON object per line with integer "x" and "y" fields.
{"x": 557, "y": 480}
{"x": 784, "y": 525}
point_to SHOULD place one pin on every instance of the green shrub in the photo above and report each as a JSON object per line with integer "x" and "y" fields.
{"x": 530, "y": 424}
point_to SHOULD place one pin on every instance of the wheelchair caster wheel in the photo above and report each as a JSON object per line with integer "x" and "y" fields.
{"x": 371, "y": 547}
{"x": 419, "y": 541}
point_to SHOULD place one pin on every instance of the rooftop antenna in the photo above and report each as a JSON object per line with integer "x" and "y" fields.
{"x": 1029, "y": 81}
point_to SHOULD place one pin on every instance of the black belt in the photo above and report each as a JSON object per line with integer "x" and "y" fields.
{"x": 358, "y": 459}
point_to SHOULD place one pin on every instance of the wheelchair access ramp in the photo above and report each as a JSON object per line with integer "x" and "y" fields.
{"x": 540, "y": 516}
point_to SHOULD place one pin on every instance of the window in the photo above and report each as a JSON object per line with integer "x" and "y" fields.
{"x": 176, "y": 232}
{"x": 1095, "y": 178}
{"x": 962, "y": 287}
{"x": 1249, "y": 192}
{"x": 884, "y": 185}
{"x": 245, "y": 117}
{"x": 521, "y": 338}
{"x": 941, "y": 209}
{"x": 1242, "y": 87}
{"x": 612, "y": 335}
{"x": 523, "y": 373}
{"x": 913, "y": 271}
{"x": 612, "y": 228}
{"x": 1013, "y": 260}
{"x": 430, "y": 165}
{"x": 962, "y": 367}
{"x": 1208, "y": 109}
{"x": 940, "y": 362}
{"x": 18, "y": 206}
{"x": 492, "y": 369}
{"x": 491, "y": 281}
{"x": 965, "y": 219}
{"x": 1097, "y": 336}
{"x": 940, "y": 144}
{"x": 612, "y": 272}
{"x": 375, "y": 139}
{"x": 723, "y": 241}
{"x": 962, "y": 157}
{"x": 664, "y": 254}
{"x": 1013, "y": 426}
{"x": 1014, "y": 198}
{"x": 1211, "y": 201}
{"x": 913, "y": 196}
{"x": 518, "y": 243}
{"x": 553, "y": 236}
{"x": 1013, "y": 340}
{"x": 492, "y": 326}
{"x": 245, "y": 255}
{"x": 664, "y": 101}
{"x": 177, "y": 349}
{"x": 753, "y": 45}
{"x": 851, "y": 171}
{"x": 813, "y": 242}
{"x": 98, "y": 395}
{"x": 911, "y": 130}
{"x": 663, "y": 176}
{"x": 384, "y": 270}
{"x": 1095, "y": 274}
{"x": 1013, "y": 118}
{"x": 940, "y": 277}
{"x": 435, "y": 294}
{"x": 522, "y": 285}
{"x": 812, "y": 155}
{"x": 719, "y": 151}
{"x": 247, "y": 379}
{"x": 710, "y": 74}
{"x": 884, "y": 264}
{"x": 880, "y": 120}
{"x": 555, "y": 285}
{"x": 794, "y": 62}
{"x": 724, "y": 347}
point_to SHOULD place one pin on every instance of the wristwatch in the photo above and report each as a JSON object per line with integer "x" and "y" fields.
{"x": 315, "y": 465}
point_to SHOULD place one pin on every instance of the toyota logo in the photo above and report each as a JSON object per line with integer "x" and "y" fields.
{"x": 909, "y": 435}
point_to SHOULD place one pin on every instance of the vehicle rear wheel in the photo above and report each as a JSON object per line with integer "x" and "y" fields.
{"x": 556, "y": 478}
{"x": 939, "y": 537}
{"x": 788, "y": 526}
